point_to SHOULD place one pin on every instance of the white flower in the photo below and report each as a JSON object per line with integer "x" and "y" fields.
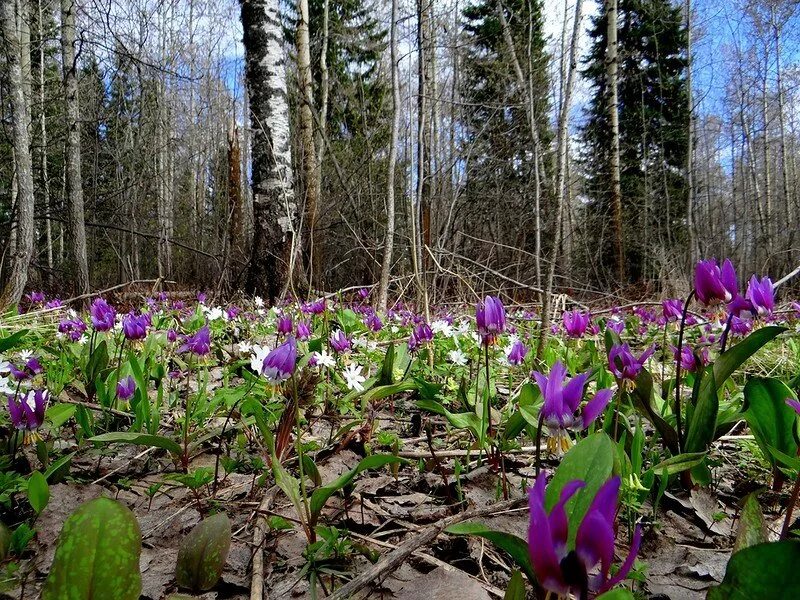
{"x": 245, "y": 348}
{"x": 259, "y": 301}
{"x": 353, "y": 377}
{"x": 213, "y": 314}
{"x": 5, "y": 387}
{"x": 475, "y": 337}
{"x": 457, "y": 357}
{"x": 360, "y": 342}
{"x": 463, "y": 327}
{"x": 83, "y": 339}
{"x": 25, "y": 355}
{"x": 5, "y": 366}
{"x": 443, "y": 327}
{"x": 394, "y": 329}
{"x": 257, "y": 358}
{"x": 324, "y": 359}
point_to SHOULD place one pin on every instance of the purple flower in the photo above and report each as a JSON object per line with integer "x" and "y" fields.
{"x": 36, "y": 297}
{"x": 135, "y": 326}
{"x": 793, "y": 404}
{"x": 285, "y": 325}
{"x": 201, "y": 297}
{"x": 54, "y": 303}
{"x": 373, "y": 322}
{"x": 363, "y": 293}
{"x": 565, "y": 569}
{"x": 740, "y": 326}
{"x": 27, "y": 411}
{"x": 198, "y": 343}
{"x": 624, "y": 365}
{"x": 517, "y": 354}
{"x": 714, "y": 284}
{"x": 232, "y": 312}
{"x": 575, "y": 323}
{"x": 103, "y": 315}
{"x": 72, "y": 328}
{"x": 340, "y": 342}
{"x": 303, "y": 330}
{"x": 561, "y": 409}
{"x": 491, "y": 319}
{"x": 761, "y": 295}
{"x": 690, "y": 360}
{"x": 279, "y": 364}
{"x": 126, "y": 387}
{"x": 672, "y": 308}
{"x": 172, "y": 335}
{"x": 615, "y": 325}
{"x": 29, "y": 369}
{"x": 314, "y": 308}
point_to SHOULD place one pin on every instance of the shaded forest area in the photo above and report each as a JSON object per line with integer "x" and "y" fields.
{"x": 434, "y": 149}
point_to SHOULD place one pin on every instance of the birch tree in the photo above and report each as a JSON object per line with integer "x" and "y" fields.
{"x": 274, "y": 207}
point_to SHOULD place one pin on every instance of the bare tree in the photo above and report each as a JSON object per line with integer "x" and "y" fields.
{"x": 274, "y": 208}
{"x": 20, "y": 139}
{"x": 72, "y": 159}
{"x": 388, "y": 248}
{"x": 613, "y": 108}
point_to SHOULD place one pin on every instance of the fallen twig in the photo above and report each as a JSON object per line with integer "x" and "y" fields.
{"x": 259, "y": 534}
{"x": 397, "y": 556}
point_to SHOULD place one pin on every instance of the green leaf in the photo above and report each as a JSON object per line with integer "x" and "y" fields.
{"x": 617, "y": 594}
{"x": 792, "y": 462}
{"x": 58, "y": 414}
{"x": 761, "y": 571}
{"x": 771, "y": 421}
{"x": 642, "y": 397}
{"x": 97, "y": 555}
{"x": 139, "y": 439}
{"x": 13, "y": 340}
{"x": 466, "y": 420}
{"x": 591, "y": 460}
{"x": 321, "y": 495}
{"x": 701, "y": 418}
{"x": 515, "y": 546}
{"x": 752, "y": 526}
{"x": 38, "y": 491}
{"x": 516, "y": 587}
{"x": 202, "y": 555}
{"x": 679, "y": 463}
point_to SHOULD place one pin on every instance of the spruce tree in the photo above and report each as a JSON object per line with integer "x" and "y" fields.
{"x": 497, "y": 134}
{"x": 653, "y": 117}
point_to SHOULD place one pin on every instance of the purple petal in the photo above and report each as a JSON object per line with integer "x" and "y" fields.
{"x": 595, "y": 406}
{"x": 573, "y": 391}
{"x": 595, "y": 543}
{"x": 628, "y": 564}
{"x": 540, "y": 546}
{"x": 794, "y": 404}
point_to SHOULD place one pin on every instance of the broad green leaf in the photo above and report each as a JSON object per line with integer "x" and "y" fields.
{"x": 97, "y": 555}
{"x": 202, "y": 555}
{"x": 679, "y": 463}
{"x": 701, "y": 418}
{"x": 466, "y": 420}
{"x": 642, "y": 397}
{"x": 761, "y": 571}
{"x": 60, "y": 468}
{"x": 13, "y": 340}
{"x": 515, "y": 546}
{"x": 322, "y": 494}
{"x": 771, "y": 421}
{"x": 139, "y": 439}
{"x": 617, "y": 594}
{"x": 591, "y": 460}
{"x": 752, "y": 526}
{"x": 516, "y": 587}
{"x": 58, "y": 414}
{"x": 38, "y": 491}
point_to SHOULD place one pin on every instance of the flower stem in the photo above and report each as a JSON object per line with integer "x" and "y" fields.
{"x": 678, "y": 425}
{"x": 790, "y": 509}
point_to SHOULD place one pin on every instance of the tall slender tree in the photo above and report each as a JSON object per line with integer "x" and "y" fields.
{"x": 274, "y": 207}
{"x": 74, "y": 182}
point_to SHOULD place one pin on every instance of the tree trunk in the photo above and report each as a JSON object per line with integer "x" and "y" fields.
{"x": 72, "y": 160}
{"x": 274, "y": 208}
{"x": 561, "y": 176}
{"x": 694, "y": 247}
{"x": 310, "y": 174}
{"x": 21, "y": 142}
{"x": 43, "y": 140}
{"x": 388, "y": 249}
{"x": 236, "y": 231}
{"x": 613, "y": 109}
